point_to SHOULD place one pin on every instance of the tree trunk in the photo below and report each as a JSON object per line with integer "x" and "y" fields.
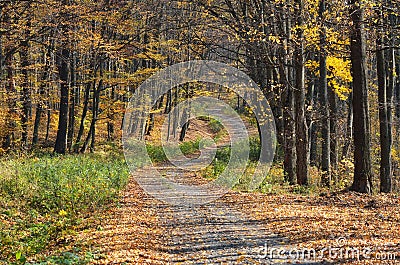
{"x": 111, "y": 116}
{"x": 383, "y": 121}
{"x": 39, "y": 107}
{"x": 168, "y": 103}
{"x": 11, "y": 117}
{"x": 361, "y": 125}
{"x": 176, "y": 113}
{"x": 96, "y": 105}
{"x": 385, "y": 97}
{"x": 333, "y": 116}
{"x": 62, "y": 63}
{"x": 38, "y": 115}
{"x": 73, "y": 92}
{"x": 289, "y": 163}
{"x": 311, "y": 98}
{"x": 286, "y": 73}
{"x": 48, "y": 125}
{"x": 92, "y": 131}
{"x": 349, "y": 127}
{"x": 388, "y": 185}
{"x": 26, "y": 92}
{"x": 324, "y": 108}
{"x": 397, "y": 96}
{"x": 150, "y": 124}
{"x": 299, "y": 98}
{"x": 83, "y": 117}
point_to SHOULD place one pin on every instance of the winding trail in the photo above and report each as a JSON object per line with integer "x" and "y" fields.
{"x": 233, "y": 229}
{"x": 143, "y": 230}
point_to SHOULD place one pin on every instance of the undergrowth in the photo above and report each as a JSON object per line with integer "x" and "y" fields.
{"x": 157, "y": 154}
{"x": 274, "y": 182}
{"x": 43, "y": 199}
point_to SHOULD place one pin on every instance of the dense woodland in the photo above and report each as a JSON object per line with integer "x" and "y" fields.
{"x": 329, "y": 70}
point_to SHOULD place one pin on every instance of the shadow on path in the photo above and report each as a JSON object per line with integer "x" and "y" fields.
{"x": 143, "y": 230}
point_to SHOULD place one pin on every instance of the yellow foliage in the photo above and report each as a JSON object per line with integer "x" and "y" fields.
{"x": 62, "y": 213}
{"x": 312, "y": 65}
{"x": 312, "y": 35}
{"x": 339, "y": 76}
{"x": 341, "y": 91}
{"x": 395, "y": 155}
{"x": 3, "y": 121}
{"x": 274, "y": 39}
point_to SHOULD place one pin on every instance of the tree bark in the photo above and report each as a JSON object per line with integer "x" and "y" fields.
{"x": 311, "y": 99}
{"x": 91, "y": 136}
{"x": 286, "y": 73}
{"x": 26, "y": 91}
{"x": 325, "y": 117}
{"x": 299, "y": 98}
{"x": 73, "y": 92}
{"x": 333, "y": 117}
{"x": 39, "y": 107}
{"x": 289, "y": 162}
{"x": 349, "y": 127}
{"x": 83, "y": 117}
{"x": 62, "y": 63}
{"x": 11, "y": 117}
{"x": 362, "y": 181}
{"x": 48, "y": 125}
{"x": 385, "y": 97}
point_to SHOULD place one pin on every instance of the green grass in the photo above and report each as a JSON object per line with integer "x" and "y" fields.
{"x": 157, "y": 153}
{"x": 274, "y": 182}
{"x": 223, "y": 156}
{"x": 44, "y": 197}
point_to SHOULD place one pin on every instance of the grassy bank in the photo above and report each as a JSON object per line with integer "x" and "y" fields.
{"x": 44, "y": 198}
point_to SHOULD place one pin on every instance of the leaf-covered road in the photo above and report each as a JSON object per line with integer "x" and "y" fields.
{"x": 236, "y": 228}
{"x": 143, "y": 230}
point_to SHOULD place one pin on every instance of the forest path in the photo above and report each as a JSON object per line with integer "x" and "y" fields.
{"x": 143, "y": 230}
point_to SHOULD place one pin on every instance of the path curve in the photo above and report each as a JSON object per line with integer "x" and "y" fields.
{"x": 143, "y": 230}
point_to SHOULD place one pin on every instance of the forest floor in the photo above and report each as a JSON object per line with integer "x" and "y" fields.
{"x": 245, "y": 228}
{"x": 248, "y": 228}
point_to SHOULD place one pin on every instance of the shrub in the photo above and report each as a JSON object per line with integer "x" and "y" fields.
{"x": 215, "y": 126}
{"x": 44, "y": 197}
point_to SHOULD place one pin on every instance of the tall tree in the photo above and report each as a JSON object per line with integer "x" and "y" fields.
{"x": 42, "y": 88}
{"x": 26, "y": 90}
{"x": 299, "y": 98}
{"x": 325, "y": 120}
{"x": 385, "y": 94}
{"x": 63, "y": 54}
{"x": 62, "y": 64}
{"x": 362, "y": 181}
{"x": 286, "y": 73}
